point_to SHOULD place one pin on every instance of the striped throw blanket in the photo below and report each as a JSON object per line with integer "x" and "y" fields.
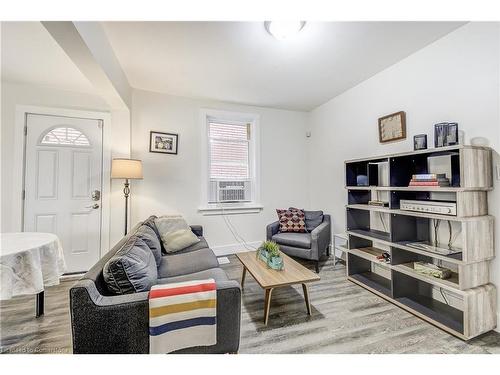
{"x": 182, "y": 315}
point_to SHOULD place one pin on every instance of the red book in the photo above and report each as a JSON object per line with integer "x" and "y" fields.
{"x": 415, "y": 183}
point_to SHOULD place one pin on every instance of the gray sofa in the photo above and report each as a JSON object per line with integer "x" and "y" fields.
{"x": 312, "y": 245}
{"x": 103, "y": 322}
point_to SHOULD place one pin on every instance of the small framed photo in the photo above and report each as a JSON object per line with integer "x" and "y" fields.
{"x": 452, "y": 134}
{"x": 392, "y": 127}
{"x": 440, "y": 134}
{"x": 420, "y": 142}
{"x": 163, "y": 143}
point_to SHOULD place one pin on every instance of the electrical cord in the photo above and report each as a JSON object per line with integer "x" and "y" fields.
{"x": 450, "y": 230}
{"x": 382, "y": 220}
{"x": 444, "y": 297}
{"x": 234, "y": 232}
{"x": 436, "y": 223}
{"x": 381, "y": 214}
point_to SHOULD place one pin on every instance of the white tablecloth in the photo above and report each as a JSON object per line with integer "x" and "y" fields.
{"x": 28, "y": 262}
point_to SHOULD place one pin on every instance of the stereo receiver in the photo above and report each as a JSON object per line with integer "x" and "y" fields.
{"x": 431, "y": 207}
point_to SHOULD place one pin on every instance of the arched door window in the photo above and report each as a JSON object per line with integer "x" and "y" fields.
{"x": 65, "y": 136}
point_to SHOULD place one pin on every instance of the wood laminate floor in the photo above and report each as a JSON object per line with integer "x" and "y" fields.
{"x": 345, "y": 319}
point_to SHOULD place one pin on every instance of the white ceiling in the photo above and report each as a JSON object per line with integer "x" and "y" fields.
{"x": 240, "y": 62}
{"x": 31, "y": 55}
{"x": 228, "y": 61}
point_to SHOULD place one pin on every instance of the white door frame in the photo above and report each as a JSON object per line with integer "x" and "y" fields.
{"x": 19, "y": 162}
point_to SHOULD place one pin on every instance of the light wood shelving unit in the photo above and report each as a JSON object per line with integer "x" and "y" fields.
{"x": 464, "y": 304}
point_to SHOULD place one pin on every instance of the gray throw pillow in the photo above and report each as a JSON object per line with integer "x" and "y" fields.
{"x": 132, "y": 269}
{"x": 148, "y": 235}
{"x": 313, "y": 219}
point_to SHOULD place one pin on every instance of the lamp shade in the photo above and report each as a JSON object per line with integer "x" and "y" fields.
{"x": 126, "y": 168}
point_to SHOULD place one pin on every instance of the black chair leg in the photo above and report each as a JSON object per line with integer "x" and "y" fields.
{"x": 317, "y": 266}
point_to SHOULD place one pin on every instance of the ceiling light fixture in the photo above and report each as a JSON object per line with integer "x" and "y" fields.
{"x": 282, "y": 30}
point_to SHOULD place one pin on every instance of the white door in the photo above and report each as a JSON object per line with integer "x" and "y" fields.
{"x": 62, "y": 184}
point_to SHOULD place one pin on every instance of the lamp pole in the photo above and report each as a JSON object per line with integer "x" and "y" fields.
{"x": 126, "y": 192}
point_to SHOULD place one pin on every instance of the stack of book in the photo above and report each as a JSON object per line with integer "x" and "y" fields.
{"x": 432, "y": 179}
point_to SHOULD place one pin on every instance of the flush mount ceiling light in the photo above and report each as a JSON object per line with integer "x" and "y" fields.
{"x": 282, "y": 30}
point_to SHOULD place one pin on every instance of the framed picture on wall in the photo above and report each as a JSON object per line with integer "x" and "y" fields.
{"x": 163, "y": 143}
{"x": 392, "y": 127}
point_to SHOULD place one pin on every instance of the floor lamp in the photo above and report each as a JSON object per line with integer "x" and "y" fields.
{"x": 127, "y": 169}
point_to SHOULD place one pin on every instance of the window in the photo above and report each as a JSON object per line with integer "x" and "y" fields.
{"x": 65, "y": 136}
{"x": 231, "y": 161}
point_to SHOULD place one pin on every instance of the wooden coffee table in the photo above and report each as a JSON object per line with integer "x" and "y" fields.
{"x": 269, "y": 279}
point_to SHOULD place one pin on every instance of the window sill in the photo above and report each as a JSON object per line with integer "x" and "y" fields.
{"x": 252, "y": 208}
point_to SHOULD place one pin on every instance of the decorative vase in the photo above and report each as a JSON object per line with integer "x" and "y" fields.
{"x": 275, "y": 263}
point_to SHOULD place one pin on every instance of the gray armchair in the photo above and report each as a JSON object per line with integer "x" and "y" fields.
{"x": 312, "y": 245}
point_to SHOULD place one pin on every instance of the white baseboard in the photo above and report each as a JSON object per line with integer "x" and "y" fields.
{"x": 234, "y": 248}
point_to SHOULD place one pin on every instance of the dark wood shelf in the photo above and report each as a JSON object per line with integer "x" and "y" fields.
{"x": 435, "y": 310}
{"x": 374, "y": 281}
{"x": 375, "y": 234}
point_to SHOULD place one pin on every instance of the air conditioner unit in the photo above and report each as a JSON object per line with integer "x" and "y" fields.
{"x": 224, "y": 191}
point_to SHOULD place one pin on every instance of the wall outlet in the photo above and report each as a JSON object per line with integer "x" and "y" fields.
{"x": 498, "y": 171}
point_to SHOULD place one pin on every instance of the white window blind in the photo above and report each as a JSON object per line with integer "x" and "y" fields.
{"x": 229, "y": 151}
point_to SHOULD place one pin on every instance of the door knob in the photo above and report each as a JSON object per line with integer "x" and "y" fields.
{"x": 95, "y": 206}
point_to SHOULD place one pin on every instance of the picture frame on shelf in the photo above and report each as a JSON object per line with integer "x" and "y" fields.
{"x": 446, "y": 134}
{"x": 420, "y": 142}
{"x": 452, "y": 134}
{"x": 392, "y": 127}
{"x": 440, "y": 134}
{"x": 163, "y": 143}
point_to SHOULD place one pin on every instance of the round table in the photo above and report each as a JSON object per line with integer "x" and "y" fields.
{"x": 29, "y": 262}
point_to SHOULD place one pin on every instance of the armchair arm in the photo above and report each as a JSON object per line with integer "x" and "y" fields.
{"x": 120, "y": 324}
{"x": 228, "y": 320}
{"x": 108, "y": 324}
{"x": 272, "y": 229}
{"x": 321, "y": 237}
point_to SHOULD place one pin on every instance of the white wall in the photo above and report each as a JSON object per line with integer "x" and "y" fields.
{"x": 21, "y": 94}
{"x": 172, "y": 183}
{"x": 454, "y": 79}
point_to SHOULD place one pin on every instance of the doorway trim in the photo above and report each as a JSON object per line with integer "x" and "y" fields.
{"x": 19, "y": 162}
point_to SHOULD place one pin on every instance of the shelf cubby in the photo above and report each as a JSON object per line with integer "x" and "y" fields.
{"x": 463, "y": 276}
{"x": 420, "y": 297}
{"x": 463, "y": 304}
{"x": 364, "y": 271}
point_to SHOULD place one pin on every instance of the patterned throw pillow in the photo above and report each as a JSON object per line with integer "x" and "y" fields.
{"x": 291, "y": 220}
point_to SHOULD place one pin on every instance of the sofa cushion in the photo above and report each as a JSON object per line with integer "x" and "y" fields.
{"x": 201, "y": 244}
{"x": 302, "y": 240}
{"x": 291, "y": 220}
{"x": 148, "y": 235}
{"x": 213, "y": 273}
{"x": 297, "y": 252}
{"x": 313, "y": 219}
{"x": 180, "y": 264}
{"x": 132, "y": 269}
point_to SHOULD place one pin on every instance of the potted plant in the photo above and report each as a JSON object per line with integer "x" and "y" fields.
{"x": 269, "y": 252}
